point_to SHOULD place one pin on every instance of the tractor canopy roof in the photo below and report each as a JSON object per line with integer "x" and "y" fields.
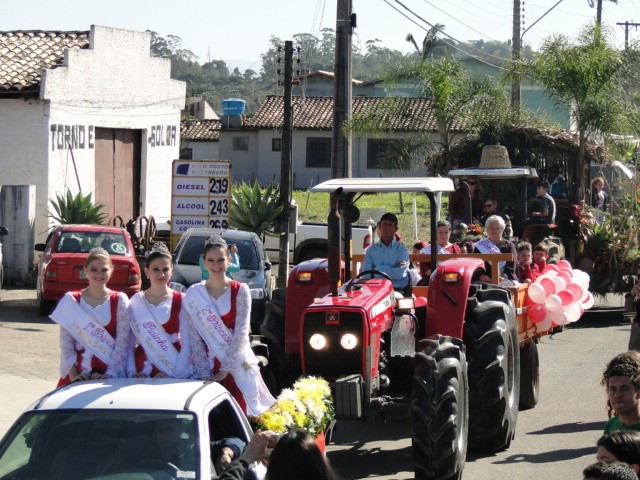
{"x": 386, "y": 184}
{"x": 495, "y": 173}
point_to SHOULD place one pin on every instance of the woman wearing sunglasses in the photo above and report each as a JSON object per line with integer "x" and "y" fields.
{"x": 458, "y": 199}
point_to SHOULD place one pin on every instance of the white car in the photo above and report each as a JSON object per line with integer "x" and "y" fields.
{"x": 123, "y": 428}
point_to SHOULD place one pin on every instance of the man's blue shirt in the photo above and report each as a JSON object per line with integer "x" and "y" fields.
{"x": 385, "y": 258}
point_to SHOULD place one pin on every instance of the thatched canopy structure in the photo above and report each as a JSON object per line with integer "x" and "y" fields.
{"x": 530, "y": 146}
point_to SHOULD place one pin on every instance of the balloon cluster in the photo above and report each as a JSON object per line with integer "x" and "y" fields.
{"x": 558, "y": 296}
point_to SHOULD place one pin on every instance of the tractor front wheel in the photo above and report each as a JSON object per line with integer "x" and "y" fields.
{"x": 439, "y": 409}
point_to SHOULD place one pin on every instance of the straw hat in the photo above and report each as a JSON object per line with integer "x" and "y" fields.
{"x": 494, "y": 156}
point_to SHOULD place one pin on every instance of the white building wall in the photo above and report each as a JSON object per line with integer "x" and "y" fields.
{"x": 244, "y": 163}
{"x": 116, "y": 85}
{"x": 205, "y": 150}
{"x": 23, "y": 156}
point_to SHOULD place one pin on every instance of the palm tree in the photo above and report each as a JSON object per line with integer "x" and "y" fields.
{"x": 586, "y": 78}
{"x": 430, "y": 42}
{"x": 456, "y": 99}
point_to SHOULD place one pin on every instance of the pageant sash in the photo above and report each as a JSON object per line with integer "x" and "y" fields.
{"x": 441, "y": 250}
{"x": 486, "y": 246}
{"x": 209, "y": 324}
{"x": 219, "y": 338}
{"x": 152, "y": 336}
{"x": 84, "y": 328}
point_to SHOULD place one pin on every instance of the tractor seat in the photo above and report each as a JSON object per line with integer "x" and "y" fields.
{"x": 537, "y": 232}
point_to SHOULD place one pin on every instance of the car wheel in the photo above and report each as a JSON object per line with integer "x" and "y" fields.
{"x": 45, "y": 307}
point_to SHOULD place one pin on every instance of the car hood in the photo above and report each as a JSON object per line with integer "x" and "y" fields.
{"x": 188, "y": 275}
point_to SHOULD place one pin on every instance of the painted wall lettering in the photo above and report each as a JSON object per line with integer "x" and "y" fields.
{"x": 77, "y": 137}
{"x": 162, "y": 136}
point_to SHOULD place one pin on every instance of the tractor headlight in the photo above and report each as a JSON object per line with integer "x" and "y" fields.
{"x": 349, "y": 341}
{"x": 317, "y": 341}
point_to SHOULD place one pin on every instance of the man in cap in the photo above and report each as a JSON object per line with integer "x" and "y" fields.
{"x": 388, "y": 255}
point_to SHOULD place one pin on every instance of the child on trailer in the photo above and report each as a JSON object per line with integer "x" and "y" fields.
{"x": 540, "y": 256}
{"x": 526, "y": 271}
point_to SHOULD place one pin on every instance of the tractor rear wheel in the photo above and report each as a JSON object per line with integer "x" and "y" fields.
{"x": 439, "y": 409}
{"x": 529, "y": 376}
{"x": 491, "y": 338}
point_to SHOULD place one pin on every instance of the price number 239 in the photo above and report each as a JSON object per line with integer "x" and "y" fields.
{"x": 218, "y": 185}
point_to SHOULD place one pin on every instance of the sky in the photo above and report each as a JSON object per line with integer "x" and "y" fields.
{"x": 238, "y": 31}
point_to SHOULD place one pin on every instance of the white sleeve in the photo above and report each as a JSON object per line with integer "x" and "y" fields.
{"x": 184, "y": 369}
{"x": 68, "y": 354}
{"x": 118, "y": 368}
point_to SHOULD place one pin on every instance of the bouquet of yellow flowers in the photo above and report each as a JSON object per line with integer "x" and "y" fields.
{"x": 308, "y": 405}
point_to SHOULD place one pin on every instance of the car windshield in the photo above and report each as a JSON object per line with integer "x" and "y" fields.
{"x": 194, "y": 247}
{"x": 94, "y": 444}
{"x": 74, "y": 242}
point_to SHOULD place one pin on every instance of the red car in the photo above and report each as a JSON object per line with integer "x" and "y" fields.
{"x": 61, "y": 265}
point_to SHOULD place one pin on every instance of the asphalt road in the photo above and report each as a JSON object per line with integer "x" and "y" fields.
{"x": 555, "y": 440}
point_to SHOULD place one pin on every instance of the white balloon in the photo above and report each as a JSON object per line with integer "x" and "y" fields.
{"x": 588, "y": 303}
{"x": 559, "y": 317}
{"x": 537, "y": 293}
{"x": 544, "y": 325}
{"x": 540, "y": 278}
{"x": 573, "y": 312}
{"x": 559, "y": 283}
{"x": 581, "y": 278}
{"x": 551, "y": 273}
{"x": 553, "y": 302}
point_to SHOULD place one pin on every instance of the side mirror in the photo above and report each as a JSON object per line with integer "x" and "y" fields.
{"x": 4, "y": 231}
{"x": 267, "y": 266}
{"x": 40, "y": 247}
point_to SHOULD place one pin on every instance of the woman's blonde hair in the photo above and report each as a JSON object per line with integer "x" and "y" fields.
{"x": 98, "y": 253}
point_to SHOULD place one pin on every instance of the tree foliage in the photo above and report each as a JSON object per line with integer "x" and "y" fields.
{"x": 456, "y": 97}
{"x": 586, "y": 77}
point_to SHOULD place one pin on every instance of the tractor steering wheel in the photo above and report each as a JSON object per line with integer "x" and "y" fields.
{"x": 373, "y": 272}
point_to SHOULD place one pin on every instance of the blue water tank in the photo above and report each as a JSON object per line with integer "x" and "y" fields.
{"x": 233, "y": 106}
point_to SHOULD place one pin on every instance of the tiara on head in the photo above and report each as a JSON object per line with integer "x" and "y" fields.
{"x": 159, "y": 247}
{"x": 215, "y": 240}
{"x": 98, "y": 251}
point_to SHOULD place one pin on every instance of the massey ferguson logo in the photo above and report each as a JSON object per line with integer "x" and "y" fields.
{"x": 333, "y": 318}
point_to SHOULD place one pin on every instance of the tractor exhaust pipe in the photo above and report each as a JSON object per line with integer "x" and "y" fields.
{"x": 333, "y": 235}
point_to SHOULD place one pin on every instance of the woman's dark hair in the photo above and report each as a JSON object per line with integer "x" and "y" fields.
{"x": 158, "y": 250}
{"x": 298, "y": 456}
{"x": 623, "y": 444}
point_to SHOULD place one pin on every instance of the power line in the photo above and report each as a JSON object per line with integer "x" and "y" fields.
{"x": 459, "y": 21}
{"x": 448, "y": 36}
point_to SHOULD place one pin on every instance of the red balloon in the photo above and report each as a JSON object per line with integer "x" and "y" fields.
{"x": 548, "y": 285}
{"x": 564, "y": 265}
{"x": 566, "y": 296}
{"x": 537, "y": 313}
{"x": 565, "y": 275}
{"x": 550, "y": 267}
{"x": 529, "y": 302}
{"x": 577, "y": 291}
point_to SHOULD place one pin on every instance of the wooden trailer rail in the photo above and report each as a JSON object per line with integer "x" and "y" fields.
{"x": 527, "y": 330}
{"x": 492, "y": 258}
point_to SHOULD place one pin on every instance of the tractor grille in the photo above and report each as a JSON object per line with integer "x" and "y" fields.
{"x": 332, "y": 361}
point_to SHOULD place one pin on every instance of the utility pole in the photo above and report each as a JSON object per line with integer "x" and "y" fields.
{"x": 516, "y": 46}
{"x": 599, "y": 13}
{"x": 286, "y": 165}
{"x": 341, "y": 143}
{"x": 627, "y": 26}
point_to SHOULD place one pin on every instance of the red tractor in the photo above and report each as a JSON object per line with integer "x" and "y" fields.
{"x": 461, "y": 360}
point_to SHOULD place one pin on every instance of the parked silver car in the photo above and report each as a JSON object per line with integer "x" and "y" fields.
{"x": 255, "y": 268}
